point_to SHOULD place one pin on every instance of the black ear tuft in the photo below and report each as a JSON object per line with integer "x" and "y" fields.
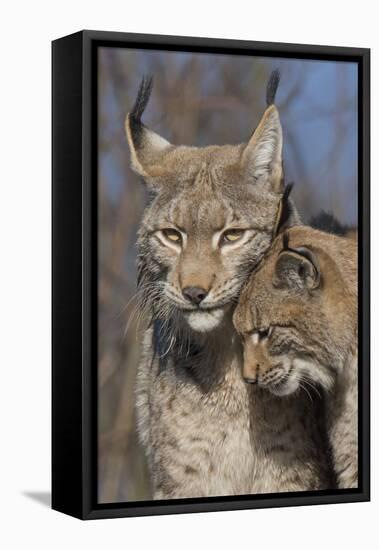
{"x": 326, "y": 221}
{"x": 142, "y": 99}
{"x": 287, "y": 191}
{"x": 285, "y": 241}
{"x": 286, "y": 207}
{"x": 285, "y": 210}
{"x": 272, "y": 86}
{"x": 135, "y": 124}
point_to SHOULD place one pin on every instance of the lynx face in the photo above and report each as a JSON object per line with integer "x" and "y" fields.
{"x": 297, "y": 314}
{"x": 200, "y": 238}
{"x": 211, "y": 217}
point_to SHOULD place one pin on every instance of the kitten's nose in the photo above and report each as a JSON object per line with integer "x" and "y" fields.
{"x": 194, "y": 294}
{"x": 251, "y": 376}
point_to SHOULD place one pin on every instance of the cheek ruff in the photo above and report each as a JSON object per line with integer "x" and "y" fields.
{"x": 283, "y": 380}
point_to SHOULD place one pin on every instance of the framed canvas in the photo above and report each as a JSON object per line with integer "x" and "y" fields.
{"x": 210, "y": 275}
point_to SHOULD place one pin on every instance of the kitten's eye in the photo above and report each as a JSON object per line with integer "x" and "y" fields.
{"x": 172, "y": 235}
{"x": 264, "y": 333}
{"x": 232, "y": 235}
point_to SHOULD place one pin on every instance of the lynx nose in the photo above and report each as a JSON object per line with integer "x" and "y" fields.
{"x": 194, "y": 294}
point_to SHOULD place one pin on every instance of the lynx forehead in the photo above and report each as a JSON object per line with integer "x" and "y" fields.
{"x": 211, "y": 217}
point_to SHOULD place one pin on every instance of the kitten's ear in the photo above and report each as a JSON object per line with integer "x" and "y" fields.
{"x": 297, "y": 268}
{"x": 262, "y": 156}
{"x": 146, "y": 147}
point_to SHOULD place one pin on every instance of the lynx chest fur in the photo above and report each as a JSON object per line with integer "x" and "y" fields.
{"x": 196, "y": 434}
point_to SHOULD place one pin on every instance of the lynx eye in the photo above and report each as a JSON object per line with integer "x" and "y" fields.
{"x": 172, "y": 235}
{"x": 232, "y": 236}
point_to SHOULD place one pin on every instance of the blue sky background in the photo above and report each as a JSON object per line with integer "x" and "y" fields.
{"x": 317, "y": 101}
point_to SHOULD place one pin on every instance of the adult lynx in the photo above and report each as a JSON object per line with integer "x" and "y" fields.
{"x": 298, "y": 318}
{"x": 212, "y": 215}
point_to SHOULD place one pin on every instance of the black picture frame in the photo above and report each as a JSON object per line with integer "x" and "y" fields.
{"x": 74, "y": 272}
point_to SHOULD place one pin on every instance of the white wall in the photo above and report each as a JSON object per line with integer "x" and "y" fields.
{"x": 27, "y": 29}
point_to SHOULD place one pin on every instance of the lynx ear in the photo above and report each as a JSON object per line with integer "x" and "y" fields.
{"x": 146, "y": 147}
{"x": 297, "y": 268}
{"x": 262, "y": 157}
